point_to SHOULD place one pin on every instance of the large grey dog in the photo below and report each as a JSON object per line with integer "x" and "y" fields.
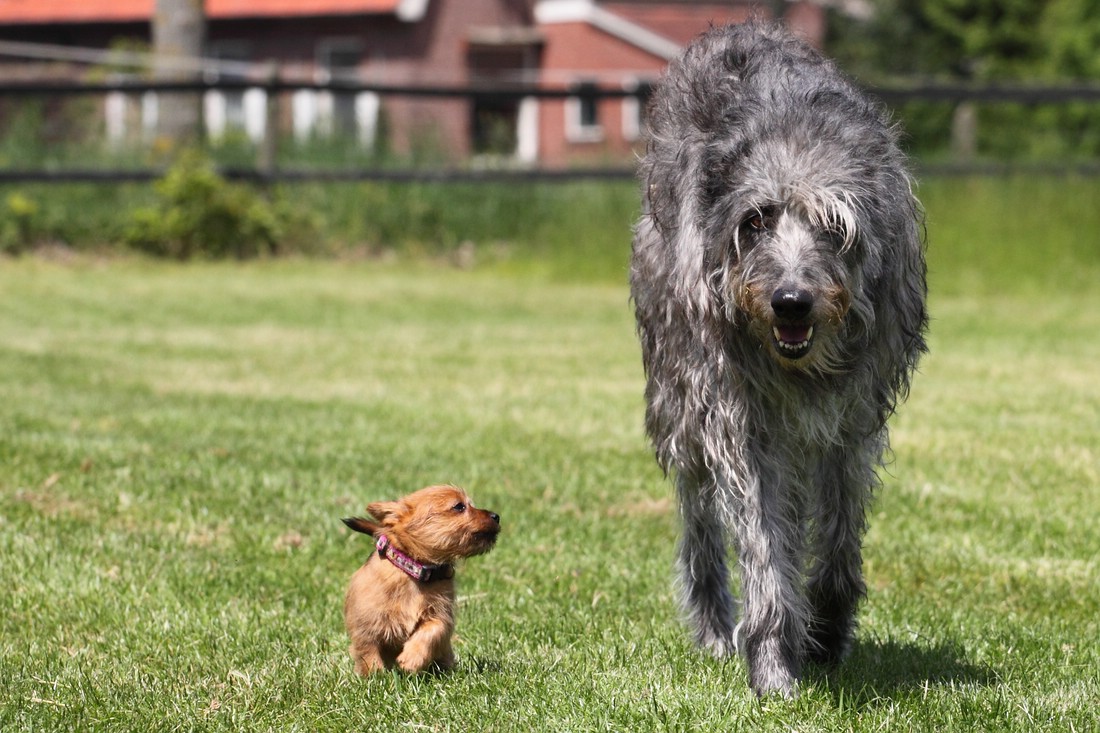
{"x": 778, "y": 278}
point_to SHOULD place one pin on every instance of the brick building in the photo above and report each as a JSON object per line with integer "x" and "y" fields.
{"x": 556, "y": 44}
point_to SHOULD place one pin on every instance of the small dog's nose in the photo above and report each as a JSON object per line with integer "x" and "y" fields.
{"x": 792, "y": 304}
{"x": 495, "y": 517}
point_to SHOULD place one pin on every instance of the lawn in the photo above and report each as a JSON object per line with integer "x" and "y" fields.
{"x": 179, "y": 443}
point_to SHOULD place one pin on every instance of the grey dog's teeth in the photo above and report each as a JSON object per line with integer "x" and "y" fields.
{"x": 783, "y": 344}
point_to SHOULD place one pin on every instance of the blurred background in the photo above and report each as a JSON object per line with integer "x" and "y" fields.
{"x": 335, "y": 91}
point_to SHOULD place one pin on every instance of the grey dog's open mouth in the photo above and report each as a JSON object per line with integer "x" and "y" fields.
{"x": 793, "y": 341}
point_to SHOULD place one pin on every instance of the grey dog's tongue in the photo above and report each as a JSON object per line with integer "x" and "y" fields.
{"x": 794, "y": 334}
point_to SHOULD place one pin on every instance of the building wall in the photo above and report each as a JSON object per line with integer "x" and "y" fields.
{"x": 435, "y": 51}
{"x": 431, "y": 51}
{"x": 572, "y": 52}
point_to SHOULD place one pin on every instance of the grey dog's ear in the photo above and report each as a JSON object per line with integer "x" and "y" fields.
{"x": 359, "y": 524}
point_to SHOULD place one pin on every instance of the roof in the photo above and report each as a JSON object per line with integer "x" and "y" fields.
{"x": 680, "y": 22}
{"x": 661, "y": 29}
{"x": 51, "y": 12}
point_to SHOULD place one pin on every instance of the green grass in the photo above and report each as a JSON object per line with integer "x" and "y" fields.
{"x": 180, "y": 441}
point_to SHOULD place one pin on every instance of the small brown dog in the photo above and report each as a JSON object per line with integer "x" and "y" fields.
{"x": 399, "y": 607}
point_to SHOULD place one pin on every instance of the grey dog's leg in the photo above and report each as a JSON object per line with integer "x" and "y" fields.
{"x": 705, "y": 589}
{"x": 836, "y": 585}
{"x": 773, "y": 628}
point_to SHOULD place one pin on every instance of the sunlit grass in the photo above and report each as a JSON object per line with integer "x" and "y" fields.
{"x": 179, "y": 443}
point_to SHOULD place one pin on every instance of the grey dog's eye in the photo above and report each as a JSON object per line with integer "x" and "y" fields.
{"x": 836, "y": 236}
{"x": 759, "y": 221}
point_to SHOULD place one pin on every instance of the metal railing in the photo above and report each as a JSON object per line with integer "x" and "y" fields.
{"x": 267, "y": 170}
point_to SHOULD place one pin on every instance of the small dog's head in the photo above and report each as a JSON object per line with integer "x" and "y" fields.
{"x": 435, "y": 525}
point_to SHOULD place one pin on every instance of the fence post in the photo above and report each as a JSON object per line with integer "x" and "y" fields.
{"x": 964, "y": 131}
{"x": 178, "y": 31}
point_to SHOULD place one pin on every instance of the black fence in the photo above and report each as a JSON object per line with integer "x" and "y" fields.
{"x": 267, "y": 170}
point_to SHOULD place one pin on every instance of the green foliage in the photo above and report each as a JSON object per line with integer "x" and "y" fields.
{"x": 1070, "y": 30}
{"x": 199, "y": 213}
{"x": 20, "y": 145}
{"x": 981, "y": 39}
{"x": 19, "y": 223}
{"x": 971, "y": 39}
{"x": 578, "y": 229}
{"x": 1013, "y": 41}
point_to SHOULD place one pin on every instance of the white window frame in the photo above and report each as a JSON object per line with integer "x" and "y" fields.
{"x": 632, "y": 112}
{"x": 527, "y": 131}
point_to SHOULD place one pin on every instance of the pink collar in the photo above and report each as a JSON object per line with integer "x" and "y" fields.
{"x": 412, "y": 568}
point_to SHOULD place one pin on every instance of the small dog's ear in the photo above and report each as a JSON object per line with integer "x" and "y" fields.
{"x": 362, "y": 525}
{"x": 387, "y": 512}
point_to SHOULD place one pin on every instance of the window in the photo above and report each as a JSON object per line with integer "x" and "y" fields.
{"x": 327, "y": 113}
{"x": 338, "y": 60}
{"x": 582, "y": 115}
{"x": 227, "y": 110}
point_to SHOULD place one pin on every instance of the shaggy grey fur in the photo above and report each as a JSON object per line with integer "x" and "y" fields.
{"x": 778, "y": 278}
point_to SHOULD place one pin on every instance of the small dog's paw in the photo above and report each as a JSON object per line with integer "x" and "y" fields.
{"x": 412, "y": 662}
{"x": 367, "y": 659}
{"x": 365, "y": 667}
{"x": 445, "y": 662}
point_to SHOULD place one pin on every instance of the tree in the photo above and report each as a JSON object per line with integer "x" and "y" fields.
{"x": 179, "y": 30}
{"x": 1071, "y": 32}
{"x": 1024, "y": 41}
{"x": 977, "y": 40}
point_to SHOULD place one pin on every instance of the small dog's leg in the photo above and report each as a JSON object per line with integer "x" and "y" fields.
{"x": 773, "y": 630}
{"x": 368, "y": 658}
{"x": 836, "y": 585}
{"x": 705, "y": 588}
{"x": 424, "y": 646}
{"x": 445, "y": 657}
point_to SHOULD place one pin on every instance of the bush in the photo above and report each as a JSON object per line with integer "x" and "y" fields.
{"x": 19, "y": 223}
{"x": 199, "y": 213}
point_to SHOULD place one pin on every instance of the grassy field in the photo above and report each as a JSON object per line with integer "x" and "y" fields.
{"x": 179, "y": 443}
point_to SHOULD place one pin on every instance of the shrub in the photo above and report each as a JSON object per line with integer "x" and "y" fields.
{"x": 199, "y": 213}
{"x": 19, "y": 222}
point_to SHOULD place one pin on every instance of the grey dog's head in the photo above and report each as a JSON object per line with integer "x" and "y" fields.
{"x": 790, "y": 265}
{"x": 784, "y": 205}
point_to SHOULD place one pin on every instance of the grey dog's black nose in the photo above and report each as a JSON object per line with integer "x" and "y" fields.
{"x": 792, "y": 304}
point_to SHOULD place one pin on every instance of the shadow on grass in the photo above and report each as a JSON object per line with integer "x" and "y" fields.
{"x": 878, "y": 670}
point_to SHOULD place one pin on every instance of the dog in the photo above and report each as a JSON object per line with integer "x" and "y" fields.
{"x": 778, "y": 281}
{"x": 399, "y": 608}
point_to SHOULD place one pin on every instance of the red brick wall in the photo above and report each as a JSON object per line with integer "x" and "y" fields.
{"x": 435, "y": 53}
{"x": 572, "y": 52}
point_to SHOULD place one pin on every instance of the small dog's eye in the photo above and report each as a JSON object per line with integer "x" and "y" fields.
{"x": 459, "y": 507}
